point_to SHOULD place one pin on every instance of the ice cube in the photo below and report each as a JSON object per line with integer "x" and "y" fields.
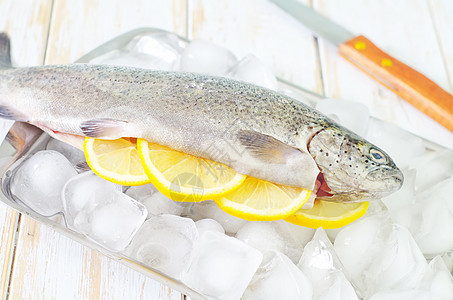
{"x": 306, "y": 98}
{"x": 208, "y": 209}
{"x": 379, "y": 255}
{"x": 74, "y": 155}
{"x": 400, "y": 263}
{"x": 205, "y": 57}
{"x": 434, "y": 235}
{"x": 250, "y": 69}
{"x": 156, "y": 203}
{"x": 436, "y": 283}
{"x": 332, "y": 233}
{"x": 222, "y": 266}
{"x": 262, "y": 236}
{"x": 208, "y": 225}
{"x": 163, "y": 48}
{"x": 132, "y": 59}
{"x": 361, "y": 242}
{"x": 98, "y": 209}
{"x": 448, "y": 260}
{"x": 114, "y": 224}
{"x": 278, "y": 278}
{"x": 39, "y": 180}
{"x": 402, "y": 198}
{"x": 338, "y": 288}
{"x": 82, "y": 192}
{"x": 438, "y": 280}
{"x": 295, "y": 237}
{"x": 165, "y": 243}
{"x": 402, "y": 146}
{"x": 412, "y": 294}
{"x": 322, "y": 266}
{"x": 280, "y": 236}
{"x": 432, "y": 168}
{"x": 353, "y": 115}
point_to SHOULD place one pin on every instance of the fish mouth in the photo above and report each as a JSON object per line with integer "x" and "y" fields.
{"x": 325, "y": 193}
{"x": 391, "y": 179}
{"x": 389, "y": 182}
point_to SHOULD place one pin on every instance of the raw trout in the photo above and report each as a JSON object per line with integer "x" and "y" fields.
{"x": 255, "y": 131}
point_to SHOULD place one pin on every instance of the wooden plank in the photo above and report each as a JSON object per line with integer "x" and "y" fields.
{"x": 51, "y": 266}
{"x": 27, "y": 24}
{"x": 79, "y": 26}
{"x": 47, "y": 264}
{"x": 259, "y": 27}
{"x": 28, "y": 45}
{"x": 408, "y": 36}
{"x": 8, "y": 225}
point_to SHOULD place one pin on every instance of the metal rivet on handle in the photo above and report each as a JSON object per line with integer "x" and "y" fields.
{"x": 360, "y": 46}
{"x": 386, "y": 62}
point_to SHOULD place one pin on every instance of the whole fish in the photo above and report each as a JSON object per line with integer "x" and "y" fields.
{"x": 255, "y": 131}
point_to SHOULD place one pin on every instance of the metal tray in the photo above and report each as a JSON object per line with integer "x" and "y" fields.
{"x": 27, "y": 139}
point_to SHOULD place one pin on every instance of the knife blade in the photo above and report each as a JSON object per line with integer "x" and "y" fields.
{"x": 406, "y": 82}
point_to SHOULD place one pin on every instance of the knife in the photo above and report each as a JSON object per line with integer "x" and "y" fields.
{"x": 406, "y": 82}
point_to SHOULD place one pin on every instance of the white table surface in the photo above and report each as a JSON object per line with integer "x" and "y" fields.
{"x": 38, "y": 263}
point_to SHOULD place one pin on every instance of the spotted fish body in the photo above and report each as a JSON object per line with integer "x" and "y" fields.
{"x": 256, "y": 131}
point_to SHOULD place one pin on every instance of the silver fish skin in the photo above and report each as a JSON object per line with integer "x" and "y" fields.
{"x": 254, "y": 130}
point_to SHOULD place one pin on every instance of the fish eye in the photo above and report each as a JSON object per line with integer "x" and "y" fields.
{"x": 378, "y": 156}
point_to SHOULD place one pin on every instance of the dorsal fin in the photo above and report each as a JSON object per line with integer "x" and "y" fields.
{"x": 5, "y": 51}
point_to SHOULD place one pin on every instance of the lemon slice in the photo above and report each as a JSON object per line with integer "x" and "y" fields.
{"x": 329, "y": 214}
{"x": 184, "y": 177}
{"x": 115, "y": 160}
{"x": 259, "y": 200}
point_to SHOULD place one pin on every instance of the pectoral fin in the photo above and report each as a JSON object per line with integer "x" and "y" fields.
{"x": 104, "y": 128}
{"x": 266, "y": 148}
{"x": 82, "y": 167}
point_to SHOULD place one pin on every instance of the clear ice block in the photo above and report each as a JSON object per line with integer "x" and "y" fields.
{"x": 204, "y": 225}
{"x": 435, "y": 283}
{"x": 360, "y": 243}
{"x": 202, "y": 56}
{"x": 222, "y": 266}
{"x": 98, "y": 209}
{"x": 74, "y": 155}
{"x": 281, "y": 236}
{"x": 278, "y": 278}
{"x": 250, "y": 69}
{"x": 353, "y": 115}
{"x": 434, "y": 235}
{"x": 402, "y": 146}
{"x": 432, "y": 168}
{"x": 380, "y": 255}
{"x": 165, "y": 243}
{"x": 322, "y": 266}
{"x": 156, "y": 203}
{"x": 162, "y": 48}
{"x": 39, "y": 180}
{"x": 208, "y": 209}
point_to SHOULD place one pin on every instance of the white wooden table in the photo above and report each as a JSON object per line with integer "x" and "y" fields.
{"x": 38, "y": 263}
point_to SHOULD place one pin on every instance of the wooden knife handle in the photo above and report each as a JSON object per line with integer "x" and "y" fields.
{"x": 407, "y": 83}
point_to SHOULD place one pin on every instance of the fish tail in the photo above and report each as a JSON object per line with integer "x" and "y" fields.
{"x": 5, "y": 51}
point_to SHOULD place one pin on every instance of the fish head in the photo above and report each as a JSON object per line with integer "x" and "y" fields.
{"x": 352, "y": 169}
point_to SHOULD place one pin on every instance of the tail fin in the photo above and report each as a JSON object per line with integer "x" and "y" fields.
{"x": 5, "y": 51}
